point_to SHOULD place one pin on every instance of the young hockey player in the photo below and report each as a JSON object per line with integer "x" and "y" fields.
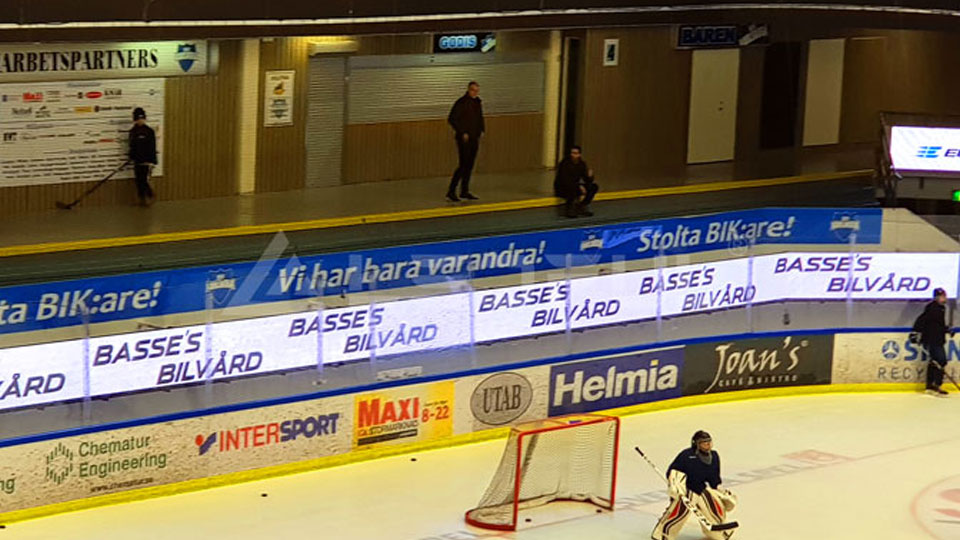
{"x": 695, "y": 473}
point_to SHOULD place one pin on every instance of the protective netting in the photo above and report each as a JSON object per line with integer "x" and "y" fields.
{"x": 566, "y": 458}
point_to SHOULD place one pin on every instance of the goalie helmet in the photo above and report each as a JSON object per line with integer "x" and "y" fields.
{"x": 699, "y": 437}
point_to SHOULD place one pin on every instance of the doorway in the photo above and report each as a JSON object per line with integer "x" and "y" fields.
{"x": 570, "y": 94}
{"x": 779, "y": 109}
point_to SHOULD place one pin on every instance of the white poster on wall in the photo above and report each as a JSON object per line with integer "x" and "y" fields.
{"x": 611, "y": 52}
{"x": 278, "y": 98}
{"x": 72, "y": 131}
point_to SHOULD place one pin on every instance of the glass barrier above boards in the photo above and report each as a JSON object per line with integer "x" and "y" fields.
{"x": 378, "y": 333}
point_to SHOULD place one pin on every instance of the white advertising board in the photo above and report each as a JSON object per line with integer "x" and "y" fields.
{"x": 191, "y": 355}
{"x": 72, "y": 61}
{"x": 60, "y": 132}
{"x": 886, "y": 358}
{"x": 925, "y": 149}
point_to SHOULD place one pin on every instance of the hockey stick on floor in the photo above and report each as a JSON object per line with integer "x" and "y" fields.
{"x": 65, "y": 206}
{"x": 696, "y": 511}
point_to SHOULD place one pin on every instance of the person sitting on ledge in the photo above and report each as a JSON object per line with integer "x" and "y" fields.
{"x": 574, "y": 183}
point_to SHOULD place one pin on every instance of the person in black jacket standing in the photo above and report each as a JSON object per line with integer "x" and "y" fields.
{"x": 143, "y": 154}
{"x": 466, "y": 119}
{"x": 931, "y": 330}
{"x": 574, "y": 183}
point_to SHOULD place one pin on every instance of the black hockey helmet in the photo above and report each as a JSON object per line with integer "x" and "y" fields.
{"x": 938, "y": 291}
{"x": 139, "y": 113}
{"x": 699, "y": 437}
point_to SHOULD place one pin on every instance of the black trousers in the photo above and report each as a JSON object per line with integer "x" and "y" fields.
{"x": 934, "y": 375}
{"x": 142, "y": 174}
{"x": 467, "y": 152}
{"x": 573, "y": 198}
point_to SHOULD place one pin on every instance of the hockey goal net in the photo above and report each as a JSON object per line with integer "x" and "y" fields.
{"x": 569, "y": 458}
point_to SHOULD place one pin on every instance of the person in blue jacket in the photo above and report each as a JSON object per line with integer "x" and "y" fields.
{"x": 695, "y": 473}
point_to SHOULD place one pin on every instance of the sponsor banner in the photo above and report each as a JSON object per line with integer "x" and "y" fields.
{"x": 191, "y": 355}
{"x": 748, "y": 364}
{"x": 145, "y": 456}
{"x": 402, "y": 415}
{"x": 70, "y": 61}
{"x": 271, "y": 435}
{"x": 886, "y": 358}
{"x": 721, "y": 36}
{"x": 861, "y": 276}
{"x": 59, "y": 132}
{"x": 500, "y": 399}
{"x": 152, "y": 294}
{"x": 512, "y": 312}
{"x": 925, "y": 149}
{"x": 615, "y": 381}
{"x": 460, "y": 43}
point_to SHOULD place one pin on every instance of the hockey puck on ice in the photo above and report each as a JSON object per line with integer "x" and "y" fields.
{"x": 599, "y": 511}
{"x": 529, "y": 520}
{"x": 263, "y": 494}
{"x": 413, "y": 459}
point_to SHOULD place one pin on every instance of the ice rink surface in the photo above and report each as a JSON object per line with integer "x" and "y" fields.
{"x": 838, "y": 466}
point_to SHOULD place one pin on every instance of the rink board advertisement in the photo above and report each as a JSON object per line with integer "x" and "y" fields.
{"x": 502, "y": 398}
{"x": 144, "y": 361}
{"x": 746, "y": 364}
{"x": 58, "y": 132}
{"x": 615, "y": 381}
{"x": 404, "y": 414}
{"x": 152, "y": 294}
{"x": 886, "y": 358}
{"x": 152, "y": 455}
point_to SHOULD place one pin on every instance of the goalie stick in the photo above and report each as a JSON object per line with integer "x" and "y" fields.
{"x": 703, "y": 520}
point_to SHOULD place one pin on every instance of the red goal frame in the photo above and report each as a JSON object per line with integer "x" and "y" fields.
{"x": 554, "y": 424}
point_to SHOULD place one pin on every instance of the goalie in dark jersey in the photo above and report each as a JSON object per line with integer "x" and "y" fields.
{"x": 695, "y": 475}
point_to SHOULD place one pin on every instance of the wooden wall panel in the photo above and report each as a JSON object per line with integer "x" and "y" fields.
{"x": 750, "y": 97}
{"x": 402, "y": 44}
{"x": 864, "y": 89}
{"x": 281, "y": 151}
{"x": 634, "y": 120}
{"x": 900, "y": 71}
{"x": 376, "y": 152}
{"x": 198, "y": 147}
{"x": 200, "y": 132}
{"x": 363, "y": 159}
{"x": 512, "y": 143}
{"x": 921, "y": 72}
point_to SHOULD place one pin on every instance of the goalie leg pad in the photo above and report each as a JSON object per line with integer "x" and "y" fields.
{"x": 672, "y": 520}
{"x": 714, "y": 512}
